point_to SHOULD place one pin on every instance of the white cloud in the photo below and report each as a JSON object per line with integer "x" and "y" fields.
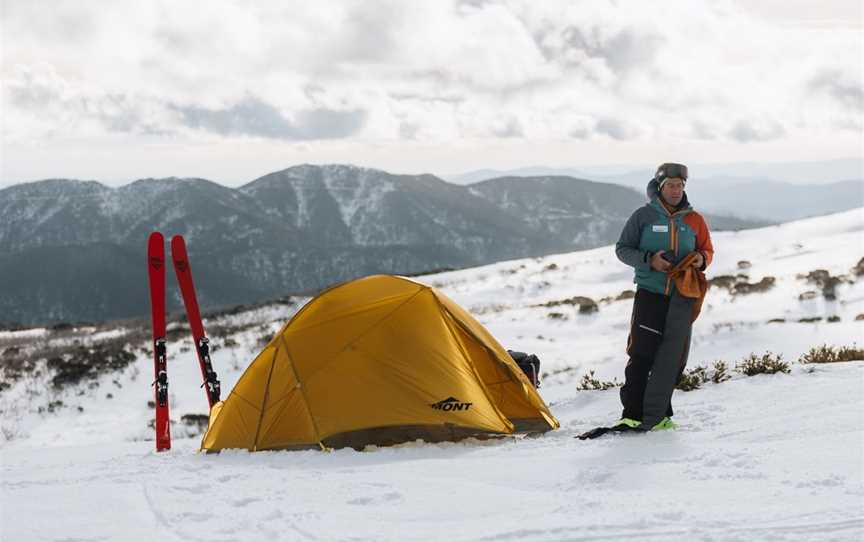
{"x": 747, "y": 131}
{"x": 600, "y": 76}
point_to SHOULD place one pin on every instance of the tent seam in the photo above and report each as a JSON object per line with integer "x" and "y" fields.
{"x": 485, "y": 389}
{"x": 264, "y": 402}
{"x": 302, "y": 389}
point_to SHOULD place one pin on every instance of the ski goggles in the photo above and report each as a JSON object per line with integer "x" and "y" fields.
{"x": 671, "y": 170}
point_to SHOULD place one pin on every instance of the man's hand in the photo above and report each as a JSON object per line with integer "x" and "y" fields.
{"x": 659, "y": 264}
{"x": 700, "y": 259}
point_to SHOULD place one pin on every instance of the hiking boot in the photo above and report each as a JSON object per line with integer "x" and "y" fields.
{"x": 627, "y": 423}
{"x": 665, "y": 423}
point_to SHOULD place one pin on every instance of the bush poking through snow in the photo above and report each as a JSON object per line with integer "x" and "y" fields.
{"x": 626, "y": 294}
{"x": 768, "y": 363}
{"x": 738, "y": 285}
{"x": 591, "y": 382}
{"x": 264, "y": 338}
{"x": 825, "y": 281}
{"x": 694, "y": 378}
{"x": 722, "y": 281}
{"x": 858, "y": 270}
{"x": 586, "y": 304}
{"x": 87, "y": 363}
{"x": 831, "y": 354}
{"x": 195, "y": 424}
{"x": 748, "y": 288}
{"x": 721, "y": 372}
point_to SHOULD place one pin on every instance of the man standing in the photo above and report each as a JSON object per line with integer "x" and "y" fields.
{"x": 659, "y": 239}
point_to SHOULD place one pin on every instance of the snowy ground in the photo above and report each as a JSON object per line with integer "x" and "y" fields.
{"x": 777, "y": 457}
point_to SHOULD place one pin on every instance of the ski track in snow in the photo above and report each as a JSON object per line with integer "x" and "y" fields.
{"x": 769, "y": 457}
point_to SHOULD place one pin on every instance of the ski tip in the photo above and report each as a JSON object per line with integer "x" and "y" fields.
{"x": 178, "y": 247}
{"x": 156, "y": 237}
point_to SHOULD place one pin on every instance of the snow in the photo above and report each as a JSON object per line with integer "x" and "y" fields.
{"x": 354, "y": 189}
{"x": 768, "y": 457}
{"x": 22, "y": 333}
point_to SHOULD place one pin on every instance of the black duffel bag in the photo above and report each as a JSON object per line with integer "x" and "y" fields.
{"x": 530, "y": 365}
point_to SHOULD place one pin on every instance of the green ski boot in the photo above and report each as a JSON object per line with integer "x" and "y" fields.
{"x": 629, "y": 422}
{"x": 665, "y": 424}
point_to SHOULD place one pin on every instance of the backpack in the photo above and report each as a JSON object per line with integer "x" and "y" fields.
{"x": 530, "y": 365}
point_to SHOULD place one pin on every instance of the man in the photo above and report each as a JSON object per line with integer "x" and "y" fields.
{"x": 664, "y": 234}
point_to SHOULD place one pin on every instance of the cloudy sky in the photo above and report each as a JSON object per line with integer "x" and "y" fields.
{"x": 229, "y": 91}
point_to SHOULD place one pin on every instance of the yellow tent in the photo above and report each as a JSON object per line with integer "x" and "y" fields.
{"x": 379, "y": 360}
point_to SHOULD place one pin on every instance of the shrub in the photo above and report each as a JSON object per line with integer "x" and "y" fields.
{"x": 264, "y": 338}
{"x": 722, "y": 281}
{"x": 738, "y": 285}
{"x": 831, "y": 354}
{"x": 586, "y": 304}
{"x": 748, "y": 288}
{"x": 12, "y": 351}
{"x": 195, "y": 424}
{"x": 768, "y": 363}
{"x": 721, "y": 372}
{"x": 88, "y": 362}
{"x": 810, "y": 319}
{"x": 694, "y": 378}
{"x": 833, "y": 318}
{"x": 175, "y": 333}
{"x": 825, "y": 281}
{"x": 590, "y": 382}
{"x": 588, "y": 307}
{"x": 556, "y": 316}
{"x": 626, "y": 294}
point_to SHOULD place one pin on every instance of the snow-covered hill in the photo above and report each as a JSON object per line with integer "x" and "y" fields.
{"x": 767, "y": 457}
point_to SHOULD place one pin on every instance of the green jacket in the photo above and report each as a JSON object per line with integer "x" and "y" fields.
{"x": 651, "y": 229}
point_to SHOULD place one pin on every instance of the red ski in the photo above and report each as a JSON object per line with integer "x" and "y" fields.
{"x": 156, "y": 271}
{"x": 187, "y": 289}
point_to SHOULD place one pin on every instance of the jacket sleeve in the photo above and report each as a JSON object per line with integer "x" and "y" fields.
{"x": 703, "y": 237}
{"x": 627, "y": 247}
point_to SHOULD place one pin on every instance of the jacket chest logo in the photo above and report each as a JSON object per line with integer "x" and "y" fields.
{"x": 660, "y": 228}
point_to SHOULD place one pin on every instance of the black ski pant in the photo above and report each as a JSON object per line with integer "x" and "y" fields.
{"x": 658, "y": 347}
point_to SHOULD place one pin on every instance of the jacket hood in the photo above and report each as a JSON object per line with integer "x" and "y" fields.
{"x": 653, "y": 193}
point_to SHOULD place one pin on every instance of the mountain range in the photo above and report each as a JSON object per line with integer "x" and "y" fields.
{"x": 73, "y": 250}
{"x": 772, "y": 192}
